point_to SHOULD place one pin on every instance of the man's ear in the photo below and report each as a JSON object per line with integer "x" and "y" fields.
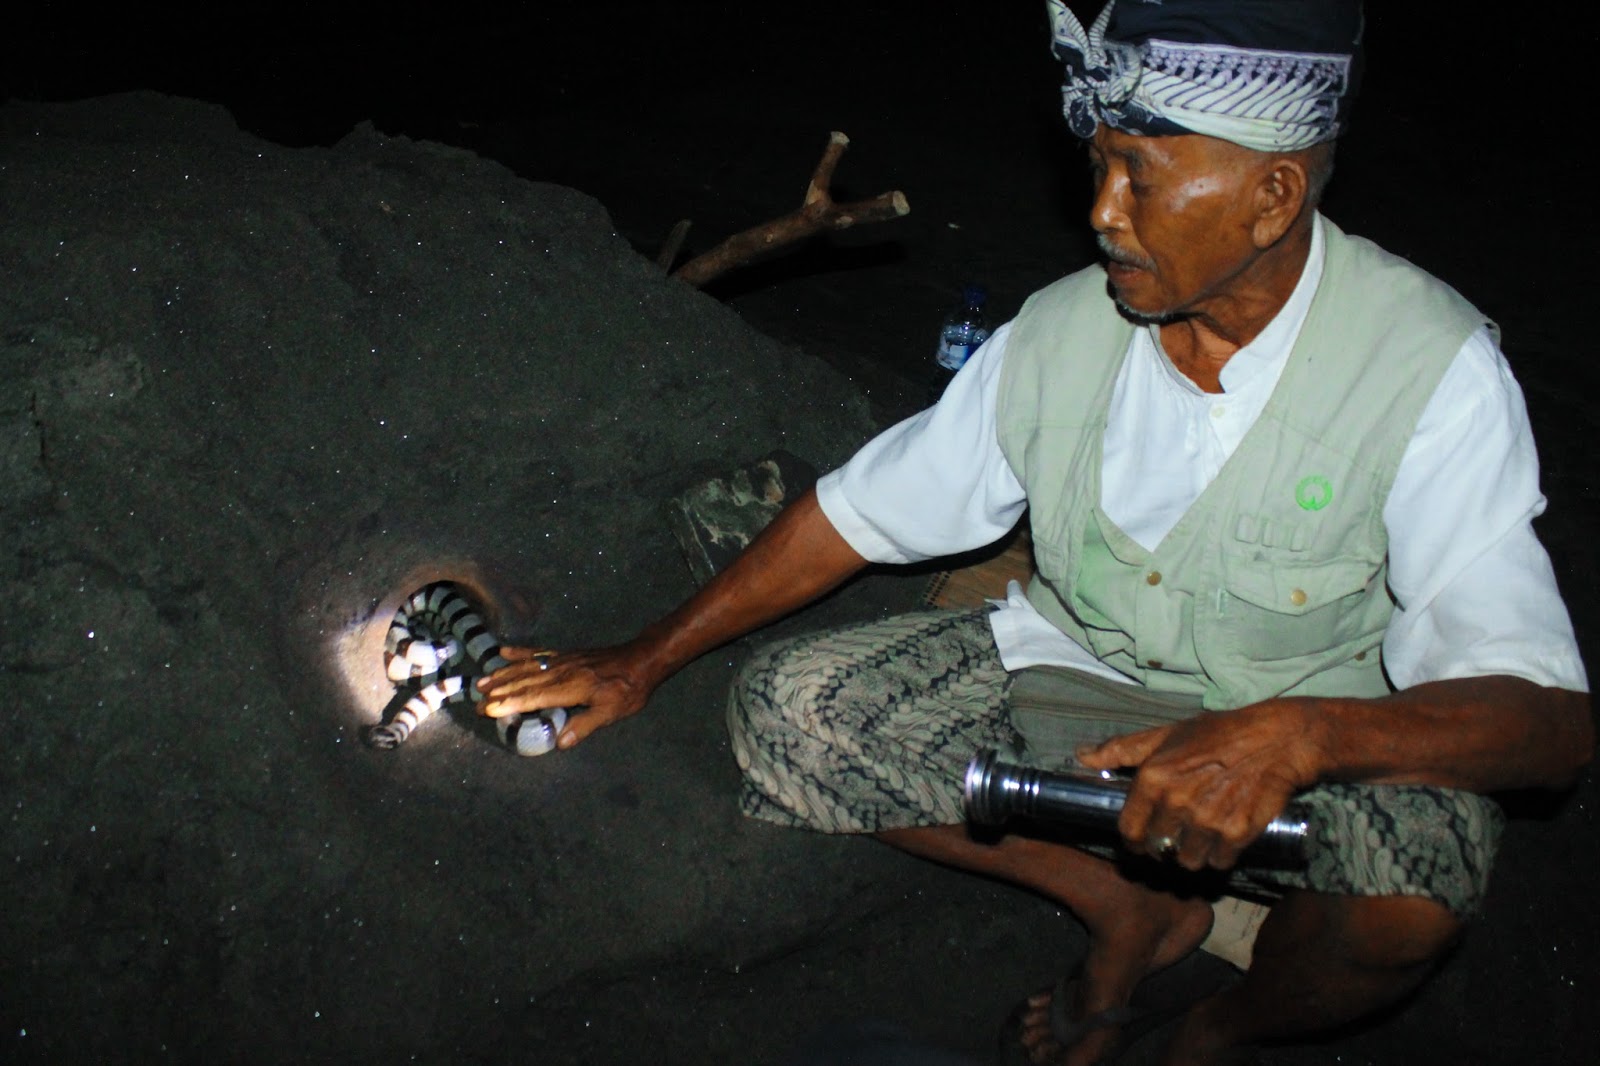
{"x": 1280, "y": 197}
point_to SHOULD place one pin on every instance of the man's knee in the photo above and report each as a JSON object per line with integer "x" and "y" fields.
{"x": 770, "y": 687}
{"x": 1374, "y": 934}
{"x": 783, "y": 693}
{"x": 1398, "y": 932}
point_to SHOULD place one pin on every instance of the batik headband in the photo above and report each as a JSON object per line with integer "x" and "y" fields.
{"x": 1272, "y": 75}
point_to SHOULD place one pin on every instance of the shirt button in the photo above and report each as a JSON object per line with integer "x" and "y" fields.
{"x": 1298, "y": 597}
{"x": 1218, "y": 410}
{"x": 1153, "y": 577}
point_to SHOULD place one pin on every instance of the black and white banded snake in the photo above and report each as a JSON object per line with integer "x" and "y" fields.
{"x": 437, "y": 648}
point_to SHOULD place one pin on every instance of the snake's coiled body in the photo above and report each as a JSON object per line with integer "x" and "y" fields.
{"x": 436, "y": 649}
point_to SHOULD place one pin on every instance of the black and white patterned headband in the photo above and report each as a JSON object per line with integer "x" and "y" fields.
{"x": 1272, "y": 75}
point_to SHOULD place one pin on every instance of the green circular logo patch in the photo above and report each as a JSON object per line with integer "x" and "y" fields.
{"x": 1313, "y": 493}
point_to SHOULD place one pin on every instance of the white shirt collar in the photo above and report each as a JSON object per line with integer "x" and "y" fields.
{"x": 1262, "y": 360}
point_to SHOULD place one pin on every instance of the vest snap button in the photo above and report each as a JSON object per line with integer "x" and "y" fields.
{"x": 1361, "y": 656}
{"x": 1153, "y": 577}
{"x": 1298, "y": 597}
{"x": 1154, "y": 664}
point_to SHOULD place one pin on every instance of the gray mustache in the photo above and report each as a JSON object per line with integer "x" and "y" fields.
{"x": 1117, "y": 255}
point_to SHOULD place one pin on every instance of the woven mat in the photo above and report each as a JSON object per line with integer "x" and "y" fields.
{"x": 970, "y": 586}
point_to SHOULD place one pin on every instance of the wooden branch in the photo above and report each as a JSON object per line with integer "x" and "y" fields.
{"x": 673, "y": 245}
{"x": 817, "y": 213}
{"x": 822, "y": 177}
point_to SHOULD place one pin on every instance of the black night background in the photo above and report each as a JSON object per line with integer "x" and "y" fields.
{"x": 348, "y": 354}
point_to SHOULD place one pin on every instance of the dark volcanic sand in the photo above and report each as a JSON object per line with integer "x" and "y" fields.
{"x": 249, "y": 394}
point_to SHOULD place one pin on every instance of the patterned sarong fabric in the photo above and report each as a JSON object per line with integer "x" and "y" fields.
{"x": 871, "y": 727}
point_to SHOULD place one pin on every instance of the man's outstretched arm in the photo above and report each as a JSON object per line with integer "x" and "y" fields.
{"x": 797, "y": 558}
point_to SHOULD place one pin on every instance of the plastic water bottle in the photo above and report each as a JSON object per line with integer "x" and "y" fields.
{"x": 963, "y": 331}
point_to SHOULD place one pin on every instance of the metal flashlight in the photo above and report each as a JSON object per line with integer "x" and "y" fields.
{"x": 997, "y": 791}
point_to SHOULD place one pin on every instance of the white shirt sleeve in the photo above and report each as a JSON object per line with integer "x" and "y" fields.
{"x": 937, "y": 483}
{"x": 1475, "y": 590}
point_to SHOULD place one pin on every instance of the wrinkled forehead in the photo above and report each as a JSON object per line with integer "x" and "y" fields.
{"x": 1188, "y": 152}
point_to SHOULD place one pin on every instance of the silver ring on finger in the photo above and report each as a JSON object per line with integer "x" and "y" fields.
{"x": 1166, "y": 846}
{"x": 543, "y": 661}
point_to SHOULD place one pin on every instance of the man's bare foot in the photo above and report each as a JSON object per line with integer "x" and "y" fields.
{"x": 1146, "y": 933}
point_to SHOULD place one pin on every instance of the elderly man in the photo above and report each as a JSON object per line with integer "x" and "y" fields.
{"x": 1280, "y": 485}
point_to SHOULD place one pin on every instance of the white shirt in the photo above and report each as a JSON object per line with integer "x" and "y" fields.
{"x": 1474, "y": 589}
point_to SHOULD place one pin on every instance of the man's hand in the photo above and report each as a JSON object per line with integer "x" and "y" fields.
{"x": 797, "y": 558}
{"x": 1211, "y": 784}
{"x": 607, "y": 683}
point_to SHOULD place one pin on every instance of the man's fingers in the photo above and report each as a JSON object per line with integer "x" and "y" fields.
{"x": 580, "y": 725}
{"x": 1137, "y": 822}
{"x": 589, "y": 720}
{"x": 1209, "y": 785}
{"x": 525, "y": 701}
{"x": 519, "y": 689}
{"x": 514, "y": 654}
{"x": 501, "y": 688}
{"x": 1214, "y": 827}
{"x": 1196, "y": 847}
{"x": 507, "y": 678}
{"x": 534, "y": 670}
{"x": 1130, "y": 750}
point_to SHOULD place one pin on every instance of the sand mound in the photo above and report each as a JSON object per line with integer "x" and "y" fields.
{"x": 248, "y": 396}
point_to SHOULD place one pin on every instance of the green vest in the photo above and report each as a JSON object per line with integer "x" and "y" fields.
{"x": 1273, "y": 582}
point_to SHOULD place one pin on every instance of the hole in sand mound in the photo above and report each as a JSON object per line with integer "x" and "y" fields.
{"x": 359, "y": 649}
{"x": 436, "y": 646}
{"x": 343, "y": 605}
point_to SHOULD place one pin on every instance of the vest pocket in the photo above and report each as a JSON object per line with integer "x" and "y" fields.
{"x": 1271, "y": 610}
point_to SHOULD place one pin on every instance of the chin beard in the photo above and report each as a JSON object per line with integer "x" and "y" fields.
{"x": 1137, "y": 317}
{"x": 1140, "y": 318}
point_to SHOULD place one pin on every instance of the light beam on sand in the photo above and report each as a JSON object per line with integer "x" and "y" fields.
{"x": 357, "y": 650}
{"x": 342, "y": 620}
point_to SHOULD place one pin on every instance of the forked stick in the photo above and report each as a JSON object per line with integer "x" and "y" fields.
{"x": 817, "y": 213}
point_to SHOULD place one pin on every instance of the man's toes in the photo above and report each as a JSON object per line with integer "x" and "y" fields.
{"x": 1037, "y": 1038}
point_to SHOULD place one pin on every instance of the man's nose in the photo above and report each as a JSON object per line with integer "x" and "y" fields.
{"x": 1107, "y": 214}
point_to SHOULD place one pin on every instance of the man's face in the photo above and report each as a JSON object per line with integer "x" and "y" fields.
{"x": 1174, "y": 216}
